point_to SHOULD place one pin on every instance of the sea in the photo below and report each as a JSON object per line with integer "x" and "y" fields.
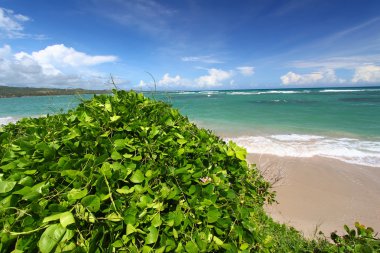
{"x": 339, "y": 123}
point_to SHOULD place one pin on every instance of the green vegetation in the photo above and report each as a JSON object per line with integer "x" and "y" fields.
{"x": 6, "y": 91}
{"x": 128, "y": 174}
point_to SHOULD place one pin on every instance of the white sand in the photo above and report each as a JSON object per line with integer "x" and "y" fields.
{"x": 322, "y": 194}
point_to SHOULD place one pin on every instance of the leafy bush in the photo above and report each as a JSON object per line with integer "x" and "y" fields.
{"x": 360, "y": 240}
{"x": 128, "y": 174}
{"x": 125, "y": 173}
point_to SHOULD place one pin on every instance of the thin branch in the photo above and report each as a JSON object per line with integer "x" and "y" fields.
{"x": 113, "y": 82}
{"x": 154, "y": 80}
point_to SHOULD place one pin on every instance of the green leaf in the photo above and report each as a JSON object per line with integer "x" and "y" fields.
{"x": 75, "y": 194}
{"x": 175, "y": 233}
{"x": 52, "y": 217}
{"x": 116, "y": 155}
{"x": 91, "y": 202}
{"x": 114, "y": 118}
{"x": 156, "y": 221}
{"x": 241, "y": 155}
{"x": 114, "y": 217}
{"x": 118, "y": 244}
{"x": 213, "y": 215}
{"x": 130, "y": 229}
{"x": 119, "y": 144}
{"x": 181, "y": 151}
{"x": 125, "y": 190}
{"x": 51, "y": 237}
{"x": 137, "y": 158}
{"x": 7, "y": 186}
{"x": 217, "y": 240}
{"x": 106, "y": 169}
{"x": 152, "y": 236}
{"x": 7, "y": 201}
{"x": 181, "y": 141}
{"x": 191, "y": 247}
{"x": 137, "y": 177}
{"x": 181, "y": 171}
{"x": 108, "y": 106}
{"x": 244, "y": 246}
{"x": 26, "y": 181}
{"x": 66, "y": 219}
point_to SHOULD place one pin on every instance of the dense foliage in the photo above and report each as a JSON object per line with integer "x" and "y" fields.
{"x": 128, "y": 174}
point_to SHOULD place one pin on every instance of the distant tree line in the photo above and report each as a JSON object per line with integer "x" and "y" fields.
{"x": 7, "y": 91}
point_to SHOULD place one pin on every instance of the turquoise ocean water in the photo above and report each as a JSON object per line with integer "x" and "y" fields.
{"x": 341, "y": 123}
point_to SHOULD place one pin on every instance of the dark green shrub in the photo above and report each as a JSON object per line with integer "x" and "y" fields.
{"x": 125, "y": 173}
{"x": 128, "y": 174}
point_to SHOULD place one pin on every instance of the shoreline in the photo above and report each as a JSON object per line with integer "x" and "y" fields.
{"x": 321, "y": 193}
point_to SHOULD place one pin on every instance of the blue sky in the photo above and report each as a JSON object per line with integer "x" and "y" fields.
{"x": 190, "y": 44}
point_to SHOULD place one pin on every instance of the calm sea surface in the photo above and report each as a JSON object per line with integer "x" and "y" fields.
{"x": 339, "y": 123}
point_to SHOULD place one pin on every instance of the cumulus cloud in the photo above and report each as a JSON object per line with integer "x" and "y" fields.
{"x": 68, "y": 56}
{"x": 214, "y": 78}
{"x": 5, "y": 51}
{"x": 11, "y": 24}
{"x": 246, "y": 70}
{"x": 368, "y": 74}
{"x": 54, "y": 66}
{"x": 167, "y": 80}
{"x": 142, "y": 84}
{"x": 326, "y": 76}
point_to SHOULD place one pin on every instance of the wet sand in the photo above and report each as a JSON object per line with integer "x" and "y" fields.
{"x": 321, "y": 194}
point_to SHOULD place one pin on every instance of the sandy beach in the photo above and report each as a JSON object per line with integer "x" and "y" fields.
{"x": 321, "y": 194}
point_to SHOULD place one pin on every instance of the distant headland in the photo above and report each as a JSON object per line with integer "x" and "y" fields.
{"x": 7, "y": 91}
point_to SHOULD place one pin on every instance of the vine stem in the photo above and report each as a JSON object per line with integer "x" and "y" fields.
{"x": 28, "y": 232}
{"x": 110, "y": 192}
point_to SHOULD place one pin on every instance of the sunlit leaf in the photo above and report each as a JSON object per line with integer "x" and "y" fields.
{"x": 51, "y": 237}
{"x": 152, "y": 236}
{"x": 137, "y": 177}
{"x": 6, "y": 186}
{"x": 76, "y": 194}
{"x": 92, "y": 202}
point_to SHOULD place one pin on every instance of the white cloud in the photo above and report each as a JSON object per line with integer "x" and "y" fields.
{"x": 203, "y": 59}
{"x": 11, "y": 24}
{"x": 348, "y": 62}
{"x": 167, "y": 80}
{"x": 54, "y": 66}
{"x": 214, "y": 78}
{"x": 5, "y": 51}
{"x": 326, "y": 76}
{"x": 369, "y": 74}
{"x": 68, "y": 56}
{"x": 142, "y": 84}
{"x": 246, "y": 70}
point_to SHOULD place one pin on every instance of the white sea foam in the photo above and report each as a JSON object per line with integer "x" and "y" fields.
{"x": 187, "y": 92}
{"x": 210, "y": 92}
{"x": 7, "y": 120}
{"x": 279, "y": 92}
{"x": 345, "y": 149}
{"x": 296, "y": 137}
{"x": 331, "y": 90}
{"x": 241, "y": 93}
{"x": 267, "y": 92}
